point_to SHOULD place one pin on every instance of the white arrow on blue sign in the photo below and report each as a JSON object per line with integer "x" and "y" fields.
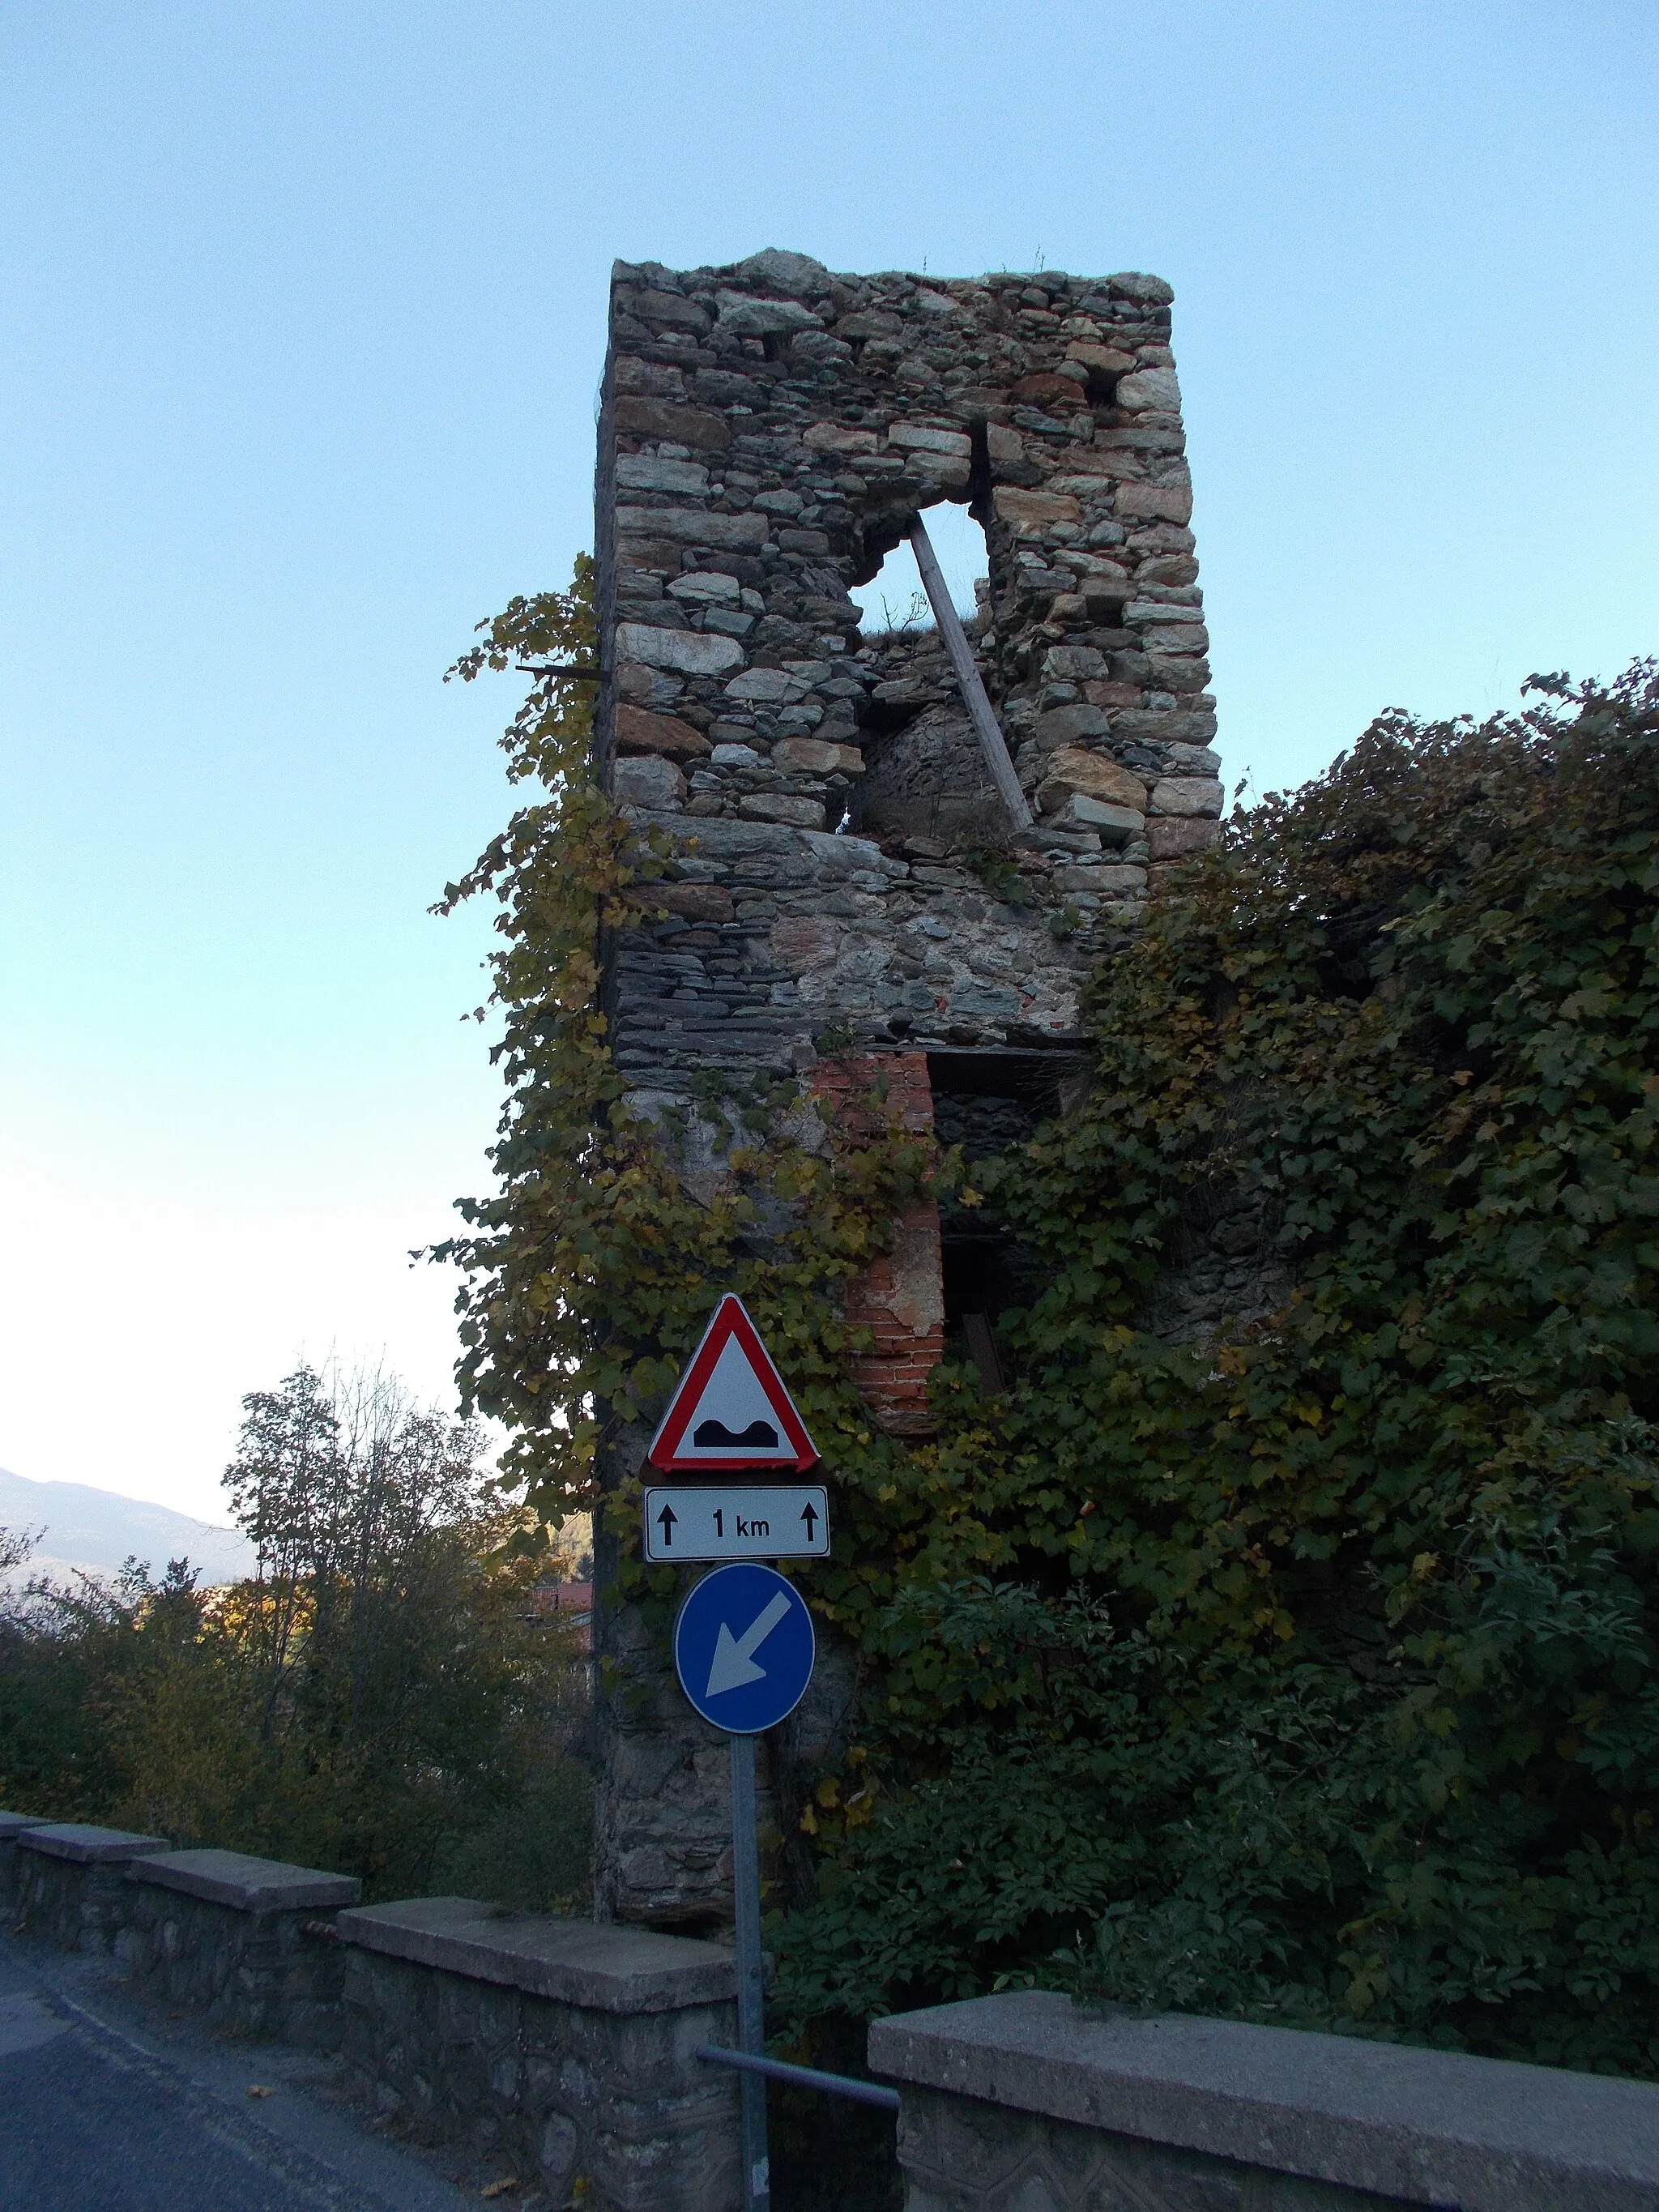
{"x": 743, "y": 1648}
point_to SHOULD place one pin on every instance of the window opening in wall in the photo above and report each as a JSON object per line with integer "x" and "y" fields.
{"x": 925, "y": 772}
{"x": 987, "y": 1102}
{"x": 893, "y": 600}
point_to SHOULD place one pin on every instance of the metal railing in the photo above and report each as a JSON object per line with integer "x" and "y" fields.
{"x": 803, "y": 2077}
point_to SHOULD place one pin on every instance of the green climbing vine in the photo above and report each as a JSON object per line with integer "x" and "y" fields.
{"x": 1308, "y": 1672}
{"x": 591, "y": 1270}
{"x": 1302, "y": 1669}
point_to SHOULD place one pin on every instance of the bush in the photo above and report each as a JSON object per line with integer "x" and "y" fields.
{"x": 1306, "y": 1670}
{"x": 383, "y": 1698}
{"x": 1285, "y": 1650}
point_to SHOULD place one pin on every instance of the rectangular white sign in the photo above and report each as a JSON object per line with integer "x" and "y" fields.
{"x": 744, "y": 1521}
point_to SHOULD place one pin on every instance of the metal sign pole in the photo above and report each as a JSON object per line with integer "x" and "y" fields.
{"x": 751, "y": 2032}
{"x": 744, "y": 1651}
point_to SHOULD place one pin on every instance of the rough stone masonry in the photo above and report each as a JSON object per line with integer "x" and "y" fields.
{"x": 849, "y": 896}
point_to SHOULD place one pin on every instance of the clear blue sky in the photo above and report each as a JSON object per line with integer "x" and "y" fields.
{"x": 304, "y": 307}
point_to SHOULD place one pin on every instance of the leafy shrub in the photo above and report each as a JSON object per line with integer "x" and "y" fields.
{"x": 1301, "y": 1668}
{"x": 1306, "y": 1672}
{"x": 383, "y": 1696}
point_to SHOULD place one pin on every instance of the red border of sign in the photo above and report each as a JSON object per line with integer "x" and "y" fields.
{"x": 730, "y": 1320}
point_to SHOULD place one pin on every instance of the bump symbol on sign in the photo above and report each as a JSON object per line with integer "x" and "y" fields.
{"x": 730, "y": 1412}
{"x": 713, "y": 1435}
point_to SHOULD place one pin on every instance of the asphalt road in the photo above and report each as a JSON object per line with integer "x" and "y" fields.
{"x": 108, "y": 2106}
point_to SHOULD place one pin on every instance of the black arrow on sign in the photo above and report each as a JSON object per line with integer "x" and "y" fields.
{"x": 809, "y": 1514}
{"x": 667, "y": 1517}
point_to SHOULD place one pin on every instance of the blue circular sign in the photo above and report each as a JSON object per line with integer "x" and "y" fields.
{"x": 743, "y": 1648}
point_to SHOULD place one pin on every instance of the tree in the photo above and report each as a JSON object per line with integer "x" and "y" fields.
{"x": 381, "y": 1696}
{"x": 72, "y": 1655}
{"x": 397, "y": 1673}
{"x": 352, "y": 1498}
{"x": 280, "y": 1484}
{"x": 16, "y": 1549}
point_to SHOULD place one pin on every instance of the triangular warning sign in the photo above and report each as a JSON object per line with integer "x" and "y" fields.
{"x": 730, "y": 1410}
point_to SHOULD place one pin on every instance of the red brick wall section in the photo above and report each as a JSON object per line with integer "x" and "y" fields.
{"x": 901, "y": 1298}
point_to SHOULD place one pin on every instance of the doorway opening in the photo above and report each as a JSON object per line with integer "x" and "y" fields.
{"x": 987, "y": 1100}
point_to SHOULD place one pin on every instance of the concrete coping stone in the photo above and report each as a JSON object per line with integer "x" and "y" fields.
{"x": 599, "y": 1966}
{"x": 88, "y": 1846}
{"x": 247, "y": 1885}
{"x": 1428, "y": 2126}
{"x": 13, "y": 1824}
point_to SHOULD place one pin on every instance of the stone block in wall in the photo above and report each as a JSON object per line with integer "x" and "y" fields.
{"x": 565, "y": 2048}
{"x": 1186, "y": 795}
{"x": 1177, "y": 836}
{"x": 694, "y": 525}
{"x": 681, "y": 426}
{"x": 693, "y": 652}
{"x": 639, "y": 730}
{"x": 648, "y": 779}
{"x": 239, "y": 1940}
{"x": 1025, "y": 2101}
{"x": 1113, "y": 879}
{"x": 1112, "y": 825}
{"x": 1070, "y": 725}
{"x": 1192, "y": 760}
{"x": 1155, "y": 502}
{"x": 1072, "y": 768}
{"x": 12, "y": 1825}
{"x": 71, "y": 1882}
{"x": 691, "y": 901}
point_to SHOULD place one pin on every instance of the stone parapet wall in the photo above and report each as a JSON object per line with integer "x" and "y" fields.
{"x": 71, "y": 1883}
{"x": 12, "y": 1825}
{"x": 961, "y": 2155}
{"x": 236, "y": 1938}
{"x": 1015, "y": 2103}
{"x": 566, "y": 2049}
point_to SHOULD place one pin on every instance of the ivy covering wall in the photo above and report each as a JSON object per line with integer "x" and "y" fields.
{"x": 1306, "y": 1670}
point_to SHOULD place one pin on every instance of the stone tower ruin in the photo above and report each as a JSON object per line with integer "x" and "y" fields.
{"x": 851, "y": 891}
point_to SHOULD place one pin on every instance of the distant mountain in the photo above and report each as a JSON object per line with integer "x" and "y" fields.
{"x": 95, "y": 1530}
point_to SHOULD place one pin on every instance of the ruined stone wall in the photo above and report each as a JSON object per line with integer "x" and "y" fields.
{"x": 767, "y": 431}
{"x": 846, "y": 880}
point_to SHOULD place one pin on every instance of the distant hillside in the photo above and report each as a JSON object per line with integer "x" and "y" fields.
{"x": 95, "y": 1530}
